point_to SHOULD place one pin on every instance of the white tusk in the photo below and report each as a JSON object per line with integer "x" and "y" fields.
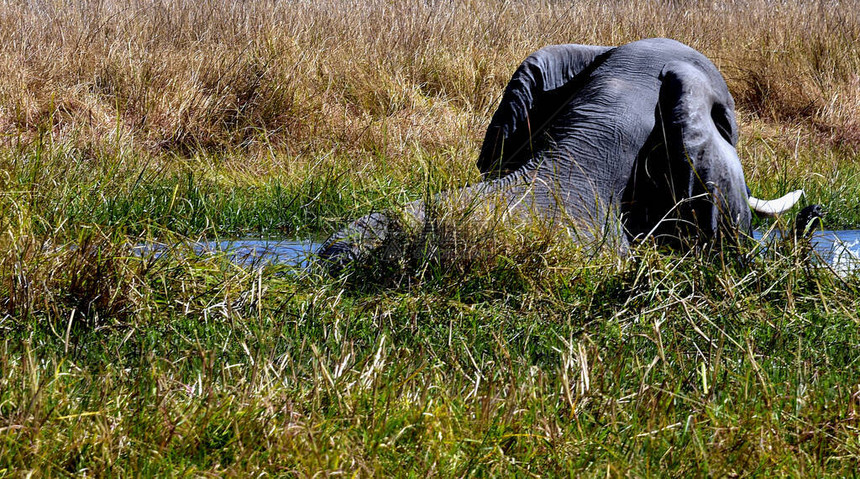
{"x": 777, "y": 206}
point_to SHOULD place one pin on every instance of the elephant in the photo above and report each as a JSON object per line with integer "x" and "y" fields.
{"x": 616, "y": 144}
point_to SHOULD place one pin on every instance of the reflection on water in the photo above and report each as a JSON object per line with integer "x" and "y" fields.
{"x": 840, "y": 249}
{"x": 245, "y": 252}
{"x": 258, "y": 252}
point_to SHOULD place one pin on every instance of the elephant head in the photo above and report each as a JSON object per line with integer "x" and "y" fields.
{"x": 687, "y": 180}
{"x": 625, "y": 143}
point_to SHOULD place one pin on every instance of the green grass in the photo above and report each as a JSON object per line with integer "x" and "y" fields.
{"x": 530, "y": 357}
{"x": 50, "y": 186}
{"x": 638, "y": 366}
{"x": 521, "y": 356}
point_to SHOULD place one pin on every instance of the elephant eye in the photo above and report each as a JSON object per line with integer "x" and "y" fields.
{"x": 721, "y": 119}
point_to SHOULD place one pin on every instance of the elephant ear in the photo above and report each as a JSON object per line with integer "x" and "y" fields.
{"x": 528, "y": 104}
{"x": 696, "y": 112}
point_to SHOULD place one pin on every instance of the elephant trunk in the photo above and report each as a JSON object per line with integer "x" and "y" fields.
{"x": 379, "y": 235}
{"x": 357, "y": 241}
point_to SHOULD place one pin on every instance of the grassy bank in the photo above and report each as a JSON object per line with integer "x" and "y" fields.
{"x": 543, "y": 362}
{"x": 127, "y": 121}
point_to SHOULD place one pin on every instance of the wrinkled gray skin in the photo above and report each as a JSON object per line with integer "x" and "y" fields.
{"x": 615, "y": 144}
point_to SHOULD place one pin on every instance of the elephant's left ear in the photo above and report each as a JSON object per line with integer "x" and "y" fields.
{"x": 528, "y": 104}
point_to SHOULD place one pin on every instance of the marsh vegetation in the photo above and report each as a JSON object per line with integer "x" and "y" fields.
{"x": 511, "y": 353}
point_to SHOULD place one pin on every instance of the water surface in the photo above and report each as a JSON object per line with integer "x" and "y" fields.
{"x": 840, "y": 249}
{"x": 246, "y": 251}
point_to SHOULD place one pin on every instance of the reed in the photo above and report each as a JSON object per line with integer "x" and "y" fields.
{"x": 185, "y": 77}
{"x": 483, "y": 351}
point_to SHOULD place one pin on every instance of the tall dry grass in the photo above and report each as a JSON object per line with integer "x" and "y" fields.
{"x": 257, "y": 76}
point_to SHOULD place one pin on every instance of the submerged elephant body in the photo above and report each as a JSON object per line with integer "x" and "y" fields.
{"x": 614, "y": 143}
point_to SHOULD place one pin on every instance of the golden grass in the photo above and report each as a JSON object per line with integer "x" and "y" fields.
{"x": 261, "y": 76}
